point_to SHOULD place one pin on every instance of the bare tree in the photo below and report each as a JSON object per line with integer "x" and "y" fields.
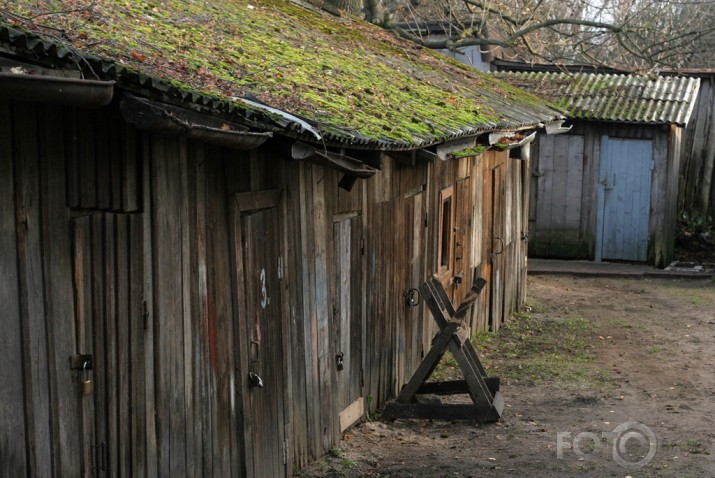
{"x": 633, "y": 34}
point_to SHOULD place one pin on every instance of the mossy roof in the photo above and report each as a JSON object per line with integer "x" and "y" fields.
{"x": 613, "y": 97}
{"x": 354, "y": 82}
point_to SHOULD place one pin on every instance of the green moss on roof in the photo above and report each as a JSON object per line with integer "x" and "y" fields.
{"x": 349, "y": 76}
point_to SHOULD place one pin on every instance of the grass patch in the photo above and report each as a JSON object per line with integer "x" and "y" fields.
{"x": 697, "y": 293}
{"x": 447, "y": 368}
{"x": 620, "y": 323}
{"x": 541, "y": 350}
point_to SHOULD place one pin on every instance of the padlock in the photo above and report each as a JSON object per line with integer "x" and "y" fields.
{"x": 86, "y": 381}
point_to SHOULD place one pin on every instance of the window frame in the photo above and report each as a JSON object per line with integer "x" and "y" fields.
{"x": 445, "y": 252}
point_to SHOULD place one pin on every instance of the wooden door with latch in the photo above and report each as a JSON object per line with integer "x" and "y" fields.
{"x": 496, "y": 257}
{"x": 259, "y": 270}
{"x": 108, "y": 272}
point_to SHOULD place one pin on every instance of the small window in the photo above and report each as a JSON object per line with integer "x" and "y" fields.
{"x": 446, "y": 219}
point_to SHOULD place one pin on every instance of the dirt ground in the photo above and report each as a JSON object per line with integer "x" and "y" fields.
{"x": 600, "y": 376}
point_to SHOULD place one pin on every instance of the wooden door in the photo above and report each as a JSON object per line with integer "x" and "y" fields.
{"x": 622, "y": 228}
{"x": 262, "y": 354}
{"x": 496, "y": 256}
{"x": 559, "y": 190}
{"x": 347, "y": 319}
{"x": 108, "y": 271}
{"x": 462, "y": 242}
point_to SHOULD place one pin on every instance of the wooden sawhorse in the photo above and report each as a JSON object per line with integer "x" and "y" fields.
{"x": 484, "y": 391}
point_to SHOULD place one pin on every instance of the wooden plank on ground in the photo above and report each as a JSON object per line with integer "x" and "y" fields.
{"x": 352, "y": 413}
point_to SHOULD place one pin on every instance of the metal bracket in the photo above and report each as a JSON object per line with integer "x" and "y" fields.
{"x": 81, "y": 362}
{"x": 412, "y": 297}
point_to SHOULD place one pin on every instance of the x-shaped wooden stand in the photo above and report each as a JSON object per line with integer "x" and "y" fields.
{"x": 484, "y": 391}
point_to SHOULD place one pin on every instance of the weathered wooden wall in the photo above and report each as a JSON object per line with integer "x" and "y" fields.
{"x": 564, "y": 190}
{"x": 697, "y": 187}
{"x": 183, "y": 267}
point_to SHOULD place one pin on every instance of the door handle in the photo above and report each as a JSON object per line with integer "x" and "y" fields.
{"x": 493, "y": 255}
{"x": 254, "y": 380}
{"x": 502, "y": 245}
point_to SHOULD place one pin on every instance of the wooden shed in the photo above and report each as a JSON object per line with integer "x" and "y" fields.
{"x": 608, "y": 189}
{"x": 697, "y": 169}
{"x": 210, "y": 227}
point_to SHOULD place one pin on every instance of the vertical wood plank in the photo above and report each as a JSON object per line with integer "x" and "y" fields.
{"x": 310, "y": 320}
{"x": 325, "y": 359}
{"x": 296, "y": 350}
{"x": 103, "y": 156}
{"x": 168, "y": 288}
{"x": 34, "y": 333}
{"x": 151, "y": 452}
{"x": 123, "y": 368}
{"x": 221, "y": 316}
{"x": 112, "y": 328}
{"x": 87, "y": 161}
{"x": 59, "y": 296}
{"x": 204, "y": 421}
{"x": 83, "y": 325}
{"x": 71, "y": 136}
{"x": 131, "y": 192}
{"x": 188, "y": 245}
{"x": 13, "y": 452}
{"x": 241, "y": 335}
{"x": 98, "y": 318}
{"x": 136, "y": 455}
{"x": 115, "y": 141}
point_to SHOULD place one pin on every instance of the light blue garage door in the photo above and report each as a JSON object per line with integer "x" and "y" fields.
{"x": 624, "y": 199}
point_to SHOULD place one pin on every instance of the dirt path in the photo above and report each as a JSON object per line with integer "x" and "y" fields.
{"x": 589, "y": 359}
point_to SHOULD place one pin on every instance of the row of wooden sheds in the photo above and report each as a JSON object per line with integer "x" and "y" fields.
{"x": 185, "y": 296}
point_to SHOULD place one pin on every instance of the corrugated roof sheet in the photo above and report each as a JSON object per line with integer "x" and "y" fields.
{"x": 613, "y": 97}
{"x": 354, "y": 82}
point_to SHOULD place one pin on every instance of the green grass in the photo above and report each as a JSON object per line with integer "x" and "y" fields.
{"x": 542, "y": 350}
{"x": 697, "y": 293}
{"x": 620, "y": 323}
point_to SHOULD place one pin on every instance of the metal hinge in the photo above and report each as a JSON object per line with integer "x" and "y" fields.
{"x": 285, "y": 451}
{"x": 362, "y": 246}
{"x": 426, "y": 219}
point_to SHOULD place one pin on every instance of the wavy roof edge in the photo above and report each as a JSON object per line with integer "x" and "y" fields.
{"x": 614, "y": 97}
{"x": 30, "y": 46}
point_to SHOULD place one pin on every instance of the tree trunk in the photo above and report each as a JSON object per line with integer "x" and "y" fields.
{"x": 353, "y": 7}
